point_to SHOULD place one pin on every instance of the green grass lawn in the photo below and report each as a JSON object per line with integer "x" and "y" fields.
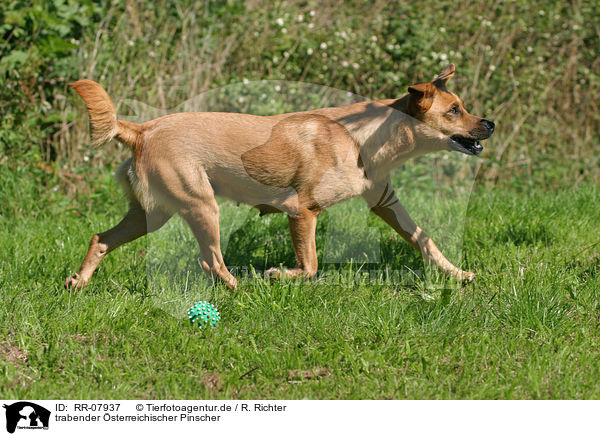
{"x": 527, "y": 328}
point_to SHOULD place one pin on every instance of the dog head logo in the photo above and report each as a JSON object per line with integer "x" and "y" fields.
{"x": 26, "y": 415}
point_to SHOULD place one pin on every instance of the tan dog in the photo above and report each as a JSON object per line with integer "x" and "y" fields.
{"x": 298, "y": 163}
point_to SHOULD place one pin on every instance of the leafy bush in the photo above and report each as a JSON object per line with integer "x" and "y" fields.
{"x": 532, "y": 67}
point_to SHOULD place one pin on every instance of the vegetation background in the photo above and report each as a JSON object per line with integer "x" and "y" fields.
{"x": 532, "y": 67}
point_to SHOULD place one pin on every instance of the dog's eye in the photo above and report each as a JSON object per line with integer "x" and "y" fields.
{"x": 454, "y": 110}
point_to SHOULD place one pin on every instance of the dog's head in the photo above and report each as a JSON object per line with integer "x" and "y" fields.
{"x": 439, "y": 108}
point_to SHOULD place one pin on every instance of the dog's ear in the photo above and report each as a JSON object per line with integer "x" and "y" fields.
{"x": 444, "y": 76}
{"x": 421, "y": 98}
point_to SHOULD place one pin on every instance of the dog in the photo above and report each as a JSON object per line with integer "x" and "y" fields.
{"x": 296, "y": 163}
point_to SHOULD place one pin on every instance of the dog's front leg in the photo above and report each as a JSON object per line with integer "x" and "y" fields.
{"x": 383, "y": 202}
{"x": 302, "y": 227}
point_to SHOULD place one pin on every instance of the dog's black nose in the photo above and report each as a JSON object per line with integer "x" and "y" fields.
{"x": 489, "y": 125}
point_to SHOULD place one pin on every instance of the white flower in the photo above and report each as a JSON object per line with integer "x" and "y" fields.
{"x": 529, "y": 49}
{"x": 443, "y": 56}
{"x": 312, "y": 13}
{"x": 309, "y": 51}
{"x": 442, "y": 29}
{"x": 130, "y": 43}
{"x": 283, "y": 30}
{"x": 323, "y": 46}
{"x": 277, "y": 88}
{"x": 245, "y": 81}
{"x": 492, "y": 67}
{"x": 156, "y": 42}
{"x": 311, "y": 25}
{"x": 345, "y": 64}
{"x": 542, "y": 12}
{"x": 300, "y": 18}
{"x": 279, "y": 21}
{"x": 355, "y": 66}
{"x": 275, "y": 59}
{"x": 517, "y": 58}
{"x": 374, "y": 38}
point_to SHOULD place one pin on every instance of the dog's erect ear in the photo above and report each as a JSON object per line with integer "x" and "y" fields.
{"x": 444, "y": 76}
{"x": 421, "y": 97}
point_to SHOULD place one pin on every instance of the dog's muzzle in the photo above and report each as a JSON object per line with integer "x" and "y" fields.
{"x": 472, "y": 146}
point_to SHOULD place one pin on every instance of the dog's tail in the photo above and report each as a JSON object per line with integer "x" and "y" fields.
{"x": 103, "y": 117}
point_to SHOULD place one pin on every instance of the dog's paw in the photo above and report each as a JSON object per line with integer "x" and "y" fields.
{"x": 273, "y": 273}
{"x": 75, "y": 282}
{"x": 466, "y": 277}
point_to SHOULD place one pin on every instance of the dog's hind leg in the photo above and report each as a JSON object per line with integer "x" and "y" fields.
{"x": 186, "y": 187}
{"x": 136, "y": 223}
{"x": 203, "y": 219}
{"x": 302, "y": 227}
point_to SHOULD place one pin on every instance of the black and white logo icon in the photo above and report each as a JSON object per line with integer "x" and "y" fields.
{"x": 26, "y": 415}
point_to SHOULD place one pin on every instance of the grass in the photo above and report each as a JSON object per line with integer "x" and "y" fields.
{"x": 527, "y": 328}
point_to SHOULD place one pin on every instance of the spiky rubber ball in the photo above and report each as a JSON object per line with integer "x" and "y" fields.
{"x": 204, "y": 314}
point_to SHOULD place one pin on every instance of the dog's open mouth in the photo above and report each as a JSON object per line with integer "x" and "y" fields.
{"x": 466, "y": 145}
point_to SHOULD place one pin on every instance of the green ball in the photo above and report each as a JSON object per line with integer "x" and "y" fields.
{"x": 204, "y": 314}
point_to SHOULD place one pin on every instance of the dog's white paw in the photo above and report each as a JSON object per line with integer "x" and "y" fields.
{"x": 273, "y": 273}
{"x": 467, "y": 277}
